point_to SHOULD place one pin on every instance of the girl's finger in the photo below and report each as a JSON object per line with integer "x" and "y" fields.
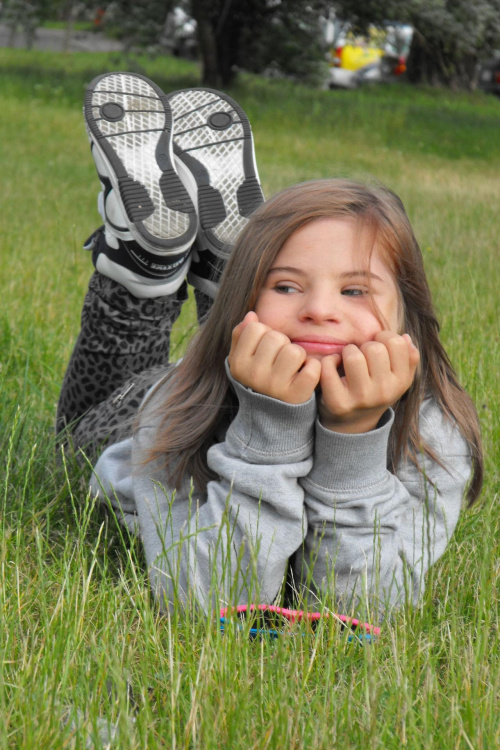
{"x": 399, "y": 354}
{"x": 378, "y": 359}
{"x": 248, "y": 339}
{"x": 332, "y": 385}
{"x": 290, "y": 358}
{"x": 250, "y": 317}
{"x": 243, "y": 347}
{"x": 270, "y": 346}
{"x": 414, "y": 355}
{"x": 401, "y": 350}
{"x": 306, "y": 380}
{"x": 274, "y": 366}
{"x": 330, "y": 365}
{"x": 356, "y": 369}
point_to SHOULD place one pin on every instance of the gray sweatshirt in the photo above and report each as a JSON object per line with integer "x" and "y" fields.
{"x": 290, "y": 491}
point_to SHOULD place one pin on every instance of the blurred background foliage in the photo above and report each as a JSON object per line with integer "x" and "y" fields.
{"x": 280, "y": 37}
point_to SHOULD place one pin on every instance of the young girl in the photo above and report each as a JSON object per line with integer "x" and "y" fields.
{"x": 315, "y": 424}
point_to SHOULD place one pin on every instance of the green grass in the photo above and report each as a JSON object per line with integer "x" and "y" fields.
{"x": 75, "y": 25}
{"x": 76, "y": 616}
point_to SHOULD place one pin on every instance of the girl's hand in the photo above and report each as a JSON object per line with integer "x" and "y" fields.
{"x": 267, "y": 362}
{"x": 376, "y": 376}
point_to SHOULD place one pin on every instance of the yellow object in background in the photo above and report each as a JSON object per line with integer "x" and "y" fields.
{"x": 354, "y": 57}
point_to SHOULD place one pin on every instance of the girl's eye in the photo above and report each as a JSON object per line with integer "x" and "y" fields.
{"x": 285, "y": 289}
{"x": 355, "y": 292}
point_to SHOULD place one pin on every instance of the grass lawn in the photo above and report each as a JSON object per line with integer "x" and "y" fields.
{"x": 77, "y": 624}
{"x": 75, "y": 25}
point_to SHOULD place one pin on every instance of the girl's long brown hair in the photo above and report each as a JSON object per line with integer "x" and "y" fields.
{"x": 196, "y": 400}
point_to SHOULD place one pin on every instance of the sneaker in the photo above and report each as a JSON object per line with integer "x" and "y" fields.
{"x": 205, "y": 269}
{"x": 215, "y": 158}
{"x": 150, "y": 219}
{"x": 144, "y": 274}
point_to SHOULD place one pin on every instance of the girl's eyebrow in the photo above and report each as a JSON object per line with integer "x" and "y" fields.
{"x": 363, "y": 274}
{"x": 346, "y": 275}
{"x": 286, "y": 269}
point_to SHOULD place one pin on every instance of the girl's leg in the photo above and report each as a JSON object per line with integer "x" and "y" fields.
{"x": 141, "y": 255}
{"x": 122, "y": 349}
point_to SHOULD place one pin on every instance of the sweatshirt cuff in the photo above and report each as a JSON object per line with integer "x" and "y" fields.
{"x": 343, "y": 462}
{"x": 266, "y": 430}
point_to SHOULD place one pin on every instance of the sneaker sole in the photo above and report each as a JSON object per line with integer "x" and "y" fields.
{"x": 130, "y": 122}
{"x": 213, "y": 146}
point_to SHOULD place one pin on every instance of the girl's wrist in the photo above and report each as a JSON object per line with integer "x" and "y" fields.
{"x": 359, "y": 425}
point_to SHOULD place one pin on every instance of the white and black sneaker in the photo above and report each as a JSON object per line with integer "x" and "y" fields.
{"x": 215, "y": 158}
{"x": 144, "y": 274}
{"x": 150, "y": 220}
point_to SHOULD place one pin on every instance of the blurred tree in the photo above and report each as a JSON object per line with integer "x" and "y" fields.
{"x": 25, "y": 16}
{"x": 279, "y": 35}
{"x": 450, "y": 36}
{"x": 140, "y": 25}
{"x": 68, "y": 11}
{"x": 449, "y": 40}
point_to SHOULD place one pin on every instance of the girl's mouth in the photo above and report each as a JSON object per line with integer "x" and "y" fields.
{"x": 324, "y": 347}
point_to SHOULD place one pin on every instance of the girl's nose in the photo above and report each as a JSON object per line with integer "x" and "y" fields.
{"x": 320, "y": 306}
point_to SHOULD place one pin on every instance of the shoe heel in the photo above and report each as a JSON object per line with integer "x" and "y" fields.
{"x": 135, "y": 198}
{"x": 249, "y": 196}
{"x": 211, "y": 209}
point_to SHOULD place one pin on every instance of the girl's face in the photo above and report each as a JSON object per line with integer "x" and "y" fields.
{"x": 319, "y": 292}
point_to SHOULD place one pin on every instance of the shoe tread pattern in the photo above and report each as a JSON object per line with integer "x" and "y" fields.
{"x": 221, "y": 161}
{"x": 136, "y": 200}
{"x": 131, "y": 146}
{"x": 174, "y": 193}
{"x": 211, "y": 209}
{"x": 249, "y": 196}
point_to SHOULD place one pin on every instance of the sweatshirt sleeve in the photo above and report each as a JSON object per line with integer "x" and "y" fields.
{"x": 372, "y": 533}
{"x": 249, "y": 521}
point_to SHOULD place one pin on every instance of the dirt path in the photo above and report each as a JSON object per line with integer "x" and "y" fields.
{"x": 55, "y": 39}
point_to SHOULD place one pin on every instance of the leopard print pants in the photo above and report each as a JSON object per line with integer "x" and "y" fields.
{"x": 121, "y": 351}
